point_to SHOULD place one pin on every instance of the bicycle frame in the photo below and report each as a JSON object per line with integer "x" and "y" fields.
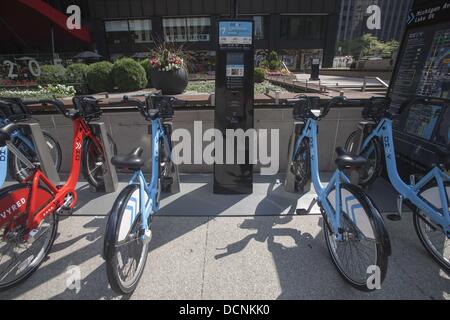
{"x": 151, "y": 189}
{"x": 310, "y": 131}
{"x": 38, "y": 210}
{"x": 3, "y": 164}
{"x": 439, "y": 216}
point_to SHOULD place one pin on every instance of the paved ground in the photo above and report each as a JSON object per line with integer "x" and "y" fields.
{"x": 228, "y": 256}
{"x": 339, "y": 80}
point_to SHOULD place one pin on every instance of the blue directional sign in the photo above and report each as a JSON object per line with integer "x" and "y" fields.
{"x": 235, "y": 32}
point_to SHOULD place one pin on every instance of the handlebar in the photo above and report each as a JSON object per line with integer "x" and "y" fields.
{"x": 155, "y": 105}
{"x": 56, "y": 103}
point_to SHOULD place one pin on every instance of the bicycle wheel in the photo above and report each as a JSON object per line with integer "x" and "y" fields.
{"x": 20, "y": 171}
{"x": 365, "y": 241}
{"x": 374, "y": 155}
{"x": 20, "y": 257}
{"x": 93, "y": 162}
{"x": 301, "y": 167}
{"x": 433, "y": 239}
{"x": 125, "y": 252}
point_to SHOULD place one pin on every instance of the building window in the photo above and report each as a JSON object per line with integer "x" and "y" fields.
{"x": 141, "y": 30}
{"x": 259, "y": 27}
{"x": 129, "y": 31}
{"x": 303, "y": 27}
{"x": 187, "y": 29}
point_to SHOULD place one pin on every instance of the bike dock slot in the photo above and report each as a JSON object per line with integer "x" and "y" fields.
{"x": 42, "y": 150}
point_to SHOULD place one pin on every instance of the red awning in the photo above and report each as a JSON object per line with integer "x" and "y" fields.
{"x": 58, "y": 18}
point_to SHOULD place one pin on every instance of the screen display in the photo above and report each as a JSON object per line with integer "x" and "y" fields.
{"x": 235, "y": 33}
{"x": 422, "y": 120}
{"x": 235, "y": 64}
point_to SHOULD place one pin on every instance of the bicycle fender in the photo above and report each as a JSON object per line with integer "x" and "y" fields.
{"x": 378, "y": 222}
{"x": 109, "y": 238}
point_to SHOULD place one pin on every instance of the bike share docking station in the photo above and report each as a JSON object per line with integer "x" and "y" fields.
{"x": 89, "y": 107}
{"x": 234, "y": 104}
{"x": 18, "y": 111}
{"x": 166, "y": 112}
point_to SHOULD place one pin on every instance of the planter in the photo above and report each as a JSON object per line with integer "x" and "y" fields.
{"x": 170, "y": 82}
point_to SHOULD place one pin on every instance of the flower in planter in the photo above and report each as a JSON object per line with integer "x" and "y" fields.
{"x": 165, "y": 60}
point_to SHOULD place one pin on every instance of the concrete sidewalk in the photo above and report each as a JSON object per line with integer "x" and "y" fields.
{"x": 227, "y": 255}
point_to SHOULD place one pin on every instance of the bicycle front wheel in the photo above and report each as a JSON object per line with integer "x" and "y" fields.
{"x": 361, "y": 256}
{"x": 431, "y": 236}
{"x": 20, "y": 256}
{"x": 125, "y": 251}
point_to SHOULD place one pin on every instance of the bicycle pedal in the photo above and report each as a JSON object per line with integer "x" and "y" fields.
{"x": 394, "y": 217}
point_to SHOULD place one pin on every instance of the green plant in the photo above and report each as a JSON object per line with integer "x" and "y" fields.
{"x": 76, "y": 76}
{"x": 148, "y": 69}
{"x": 47, "y": 92}
{"x": 272, "y": 62}
{"x": 260, "y": 75}
{"x": 128, "y": 75}
{"x": 51, "y": 74}
{"x": 99, "y": 76}
{"x": 167, "y": 57}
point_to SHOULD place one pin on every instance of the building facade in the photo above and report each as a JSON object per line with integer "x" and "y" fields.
{"x": 353, "y": 17}
{"x": 298, "y": 29}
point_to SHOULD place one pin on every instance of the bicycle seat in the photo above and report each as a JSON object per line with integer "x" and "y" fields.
{"x": 346, "y": 160}
{"x": 133, "y": 161}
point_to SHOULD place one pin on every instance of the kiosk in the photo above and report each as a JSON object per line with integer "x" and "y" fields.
{"x": 422, "y": 71}
{"x": 234, "y": 106}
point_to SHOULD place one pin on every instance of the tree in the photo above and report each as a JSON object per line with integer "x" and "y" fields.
{"x": 369, "y": 46}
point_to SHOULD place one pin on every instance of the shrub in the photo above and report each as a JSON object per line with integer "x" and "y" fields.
{"x": 76, "y": 76}
{"x": 47, "y": 92}
{"x": 260, "y": 75}
{"x": 272, "y": 62}
{"x": 99, "y": 76}
{"x": 51, "y": 74}
{"x": 147, "y": 67}
{"x": 128, "y": 75}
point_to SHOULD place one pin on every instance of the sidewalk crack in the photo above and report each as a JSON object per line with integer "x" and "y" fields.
{"x": 204, "y": 259}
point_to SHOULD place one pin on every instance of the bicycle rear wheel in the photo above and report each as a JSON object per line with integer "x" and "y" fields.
{"x": 433, "y": 239}
{"x": 20, "y": 257}
{"x": 20, "y": 171}
{"x": 94, "y": 162}
{"x": 125, "y": 252}
{"x": 365, "y": 243}
{"x": 373, "y": 153}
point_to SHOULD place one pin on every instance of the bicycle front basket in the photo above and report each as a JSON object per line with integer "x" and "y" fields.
{"x": 13, "y": 109}
{"x": 88, "y": 107}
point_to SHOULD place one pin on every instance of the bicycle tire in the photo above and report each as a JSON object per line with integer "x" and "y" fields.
{"x": 34, "y": 265}
{"x": 374, "y": 220}
{"x": 374, "y": 168}
{"x": 111, "y": 240}
{"x": 88, "y": 163}
{"x": 420, "y": 222}
{"x": 301, "y": 167}
{"x": 18, "y": 169}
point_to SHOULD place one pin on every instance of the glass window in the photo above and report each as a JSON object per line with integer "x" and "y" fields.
{"x": 117, "y": 31}
{"x": 303, "y": 27}
{"x": 187, "y": 29}
{"x": 141, "y": 30}
{"x": 259, "y": 27}
{"x": 128, "y": 31}
{"x": 199, "y": 29}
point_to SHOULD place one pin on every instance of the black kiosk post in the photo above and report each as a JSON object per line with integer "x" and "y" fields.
{"x": 234, "y": 106}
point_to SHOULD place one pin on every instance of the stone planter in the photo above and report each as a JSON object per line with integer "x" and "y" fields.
{"x": 170, "y": 82}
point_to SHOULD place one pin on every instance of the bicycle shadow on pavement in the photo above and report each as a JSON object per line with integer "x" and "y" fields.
{"x": 93, "y": 280}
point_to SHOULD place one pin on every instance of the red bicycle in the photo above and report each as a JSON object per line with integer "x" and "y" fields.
{"x": 29, "y": 210}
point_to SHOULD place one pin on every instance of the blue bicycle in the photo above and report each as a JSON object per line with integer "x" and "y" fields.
{"x": 354, "y": 229}
{"x": 14, "y": 110}
{"x": 429, "y": 197}
{"x": 128, "y": 231}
